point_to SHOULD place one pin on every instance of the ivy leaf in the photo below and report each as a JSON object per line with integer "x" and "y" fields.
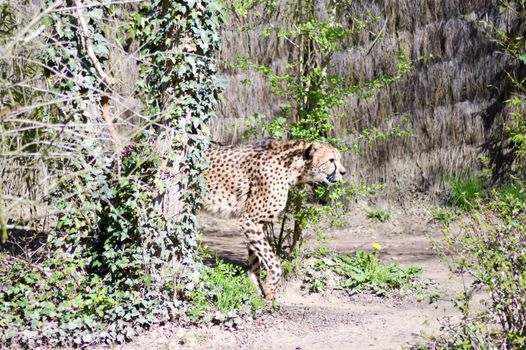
{"x": 522, "y": 56}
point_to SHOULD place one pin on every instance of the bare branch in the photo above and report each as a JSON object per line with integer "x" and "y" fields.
{"x": 105, "y": 77}
{"x": 89, "y": 45}
{"x": 378, "y": 36}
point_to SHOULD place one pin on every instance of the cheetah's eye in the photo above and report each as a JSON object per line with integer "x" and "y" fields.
{"x": 331, "y": 160}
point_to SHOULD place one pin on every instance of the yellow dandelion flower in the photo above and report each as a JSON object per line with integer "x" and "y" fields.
{"x": 376, "y": 247}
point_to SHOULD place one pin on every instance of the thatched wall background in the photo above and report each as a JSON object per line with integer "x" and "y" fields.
{"x": 454, "y": 97}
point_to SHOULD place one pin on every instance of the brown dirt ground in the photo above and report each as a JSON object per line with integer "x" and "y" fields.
{"x": 330, "y": 320}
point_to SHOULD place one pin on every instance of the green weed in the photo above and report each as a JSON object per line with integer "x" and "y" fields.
{"x": 445, "y": 216}
{"x": 470, "y": 336}
{"x": 513, "y": 190}
{"x": 292, "y": 264}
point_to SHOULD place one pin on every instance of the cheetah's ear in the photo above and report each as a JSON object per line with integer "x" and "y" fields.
{"x": 307, "y": 152}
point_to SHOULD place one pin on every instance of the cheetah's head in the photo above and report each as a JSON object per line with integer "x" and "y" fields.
{"x": 322, "y": 164}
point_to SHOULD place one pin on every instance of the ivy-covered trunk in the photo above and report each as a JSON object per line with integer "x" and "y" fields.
{"x": 178, "y": 77}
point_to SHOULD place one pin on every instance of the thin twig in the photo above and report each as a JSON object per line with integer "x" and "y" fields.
{"x": 3, "y": 220}
{"x": 109, "y": 3}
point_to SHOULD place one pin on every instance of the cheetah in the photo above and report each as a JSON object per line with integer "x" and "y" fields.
{"x": 252, "y": 181}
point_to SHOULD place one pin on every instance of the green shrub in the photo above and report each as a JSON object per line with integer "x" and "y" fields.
{"x": 467, "y": 193}
{"x": 491, "y": 248}
{"x": 379, "y": 215}
{"x": 221, "y": 291}
{"x": 513, "y": 190}
{"x": 469, "y": 336}
{"x": 361, "y": 271}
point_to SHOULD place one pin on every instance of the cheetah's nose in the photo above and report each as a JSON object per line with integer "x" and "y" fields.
{"x": 343, "y": 172}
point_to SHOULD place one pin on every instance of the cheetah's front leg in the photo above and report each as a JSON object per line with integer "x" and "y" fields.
{"x": 262, "y": 253}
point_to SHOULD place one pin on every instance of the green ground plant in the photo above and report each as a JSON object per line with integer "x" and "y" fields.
{"x": 444, "y": 215}
{"x": 378, "y": 215}
{"x": 360, "y": 272}
{"x": 511, "y": 189}
{"x": 223, "y": 292}
{"x": 468, "y": 195}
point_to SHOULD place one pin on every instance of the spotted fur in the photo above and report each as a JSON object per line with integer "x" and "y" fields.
{"x": 252, "y": 182}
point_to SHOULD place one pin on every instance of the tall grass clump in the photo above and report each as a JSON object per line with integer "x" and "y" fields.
{"x": 466, "y": 193}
